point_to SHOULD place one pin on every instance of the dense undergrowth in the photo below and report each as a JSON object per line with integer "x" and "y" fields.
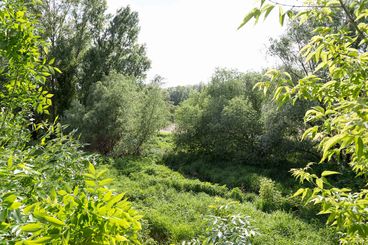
{"x": 175, "y": 207}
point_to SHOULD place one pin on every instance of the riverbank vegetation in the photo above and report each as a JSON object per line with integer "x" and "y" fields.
{"x": 270, "y": 157}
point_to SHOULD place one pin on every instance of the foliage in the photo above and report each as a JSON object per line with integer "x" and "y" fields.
{"x": 115, "y": 48}
{"x": 270, "y": 198}
{"x": 110, "y": 115}
{"x": 175, "y": 207}
{"x": 223, "y": 119}
{"x": 119, "y": 116}
{"x": 23, "y": 72}
{"x": 68, "y": 27}
{"x": 87, "y": 44}
{"x": 179, "y": 94}
{"x": 228, "y": 120}
{"x": 91, "y": 215}
{"x": 226, "y": 228}
{"x": 44, "y": 196}
{"x": 153, "y": 114}
{"x": 338, "y": 123}
{"x": 282, "y": 127}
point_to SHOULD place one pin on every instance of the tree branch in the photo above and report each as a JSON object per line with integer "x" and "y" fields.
{"x": 352, "y": 20}
{"x": 302, "y": 6}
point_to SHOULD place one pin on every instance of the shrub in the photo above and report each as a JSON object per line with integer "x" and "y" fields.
{"x": 338, "y": 123}
{"x": 110, "y": 115}
{"x": 91, "y": 215}
{"x": 223, "y": 119}
{"x": 44, "y": 196}
{"x": 237, "y": 194}
{"x": 226, "y": 228}
{"x": 119, "y": 116}
{"x": 270, "y": 198}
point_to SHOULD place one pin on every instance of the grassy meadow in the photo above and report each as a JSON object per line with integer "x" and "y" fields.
{"x": 174, "y": 206}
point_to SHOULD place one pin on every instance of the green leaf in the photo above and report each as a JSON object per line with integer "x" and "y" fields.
{"x": 105, "y": 181}
{"x": 53, "y": 220}
{"x": 267, "y": 9}
{"x": 312, "y": 131}
{"x": 107, "y": 196}
{"x": 76, "y": 191}
{"x": 327, "y": 173}
{"x": 115, "y": 199}
{"x": 281, "y": 15}
{"x": 359, "y": 146}
{"x": 15, "y": 205}
{"x": 90, "y": 183}
{"x": 290, "y": 14}
{"x": 31, "y": 227}
{"x": 57, "y": 69}
{"x": 68, "y": 188}
{"x": 319, "y": 183}
{"x": 101, "y": 173}
{"x": 10, "y": 198}
{"x": 10, "y": 161}
{"x": 249, "y": 16}
{"x": 62, "y": 192}
{"x": 37, "y": 241}
{"x": 53, "y": 194}
{"x": 330, "y": 143}
{"x": 91, "y": 169}
{"x": 120, "y": 238}
{"x": 299, "y": 192}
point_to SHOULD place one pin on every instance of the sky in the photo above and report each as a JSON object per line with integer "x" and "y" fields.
{"x": 186, "y": 40}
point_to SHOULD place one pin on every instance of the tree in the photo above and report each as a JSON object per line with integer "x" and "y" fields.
{"x": 115, "y": 48}
{"x": 282, "y": 130}
{"x": 223, "y": 120}
{"x": 69, "y": 26}
{"x": 119, "y": 116}
{"x": 87, "y": 44}
{"x": 179, "y": 94}
{"x": 46, "y": 195}
{"x": 110, "y": 114}
{"x": 338, "y": 124}
{"x": 153, "y": 114}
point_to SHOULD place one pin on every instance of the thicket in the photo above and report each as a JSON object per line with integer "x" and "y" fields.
{"x": 338, "y": 123}
{"x": 47, "y": 193}
{"x": 120, "y": 116}
{"x": 228, "y": 120}
{"x": 92, "y": 47}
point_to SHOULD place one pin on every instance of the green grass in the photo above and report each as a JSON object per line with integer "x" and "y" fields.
{"x": 246, "y": 177}
{"x": 174, "y": 206}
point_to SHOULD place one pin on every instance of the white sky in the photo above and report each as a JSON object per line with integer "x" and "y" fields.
{"x": 187, "y": 39}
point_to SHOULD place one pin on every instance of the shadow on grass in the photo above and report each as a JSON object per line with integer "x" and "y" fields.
{"x": 231, "y": 173}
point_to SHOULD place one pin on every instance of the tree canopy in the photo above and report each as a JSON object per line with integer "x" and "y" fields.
{"x": 339, "y": 122}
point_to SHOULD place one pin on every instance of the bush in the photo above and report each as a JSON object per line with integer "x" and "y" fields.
{"x": 223, "y": 119}
{"x": 45, "y": 196}
{"x": 226, "y": 228}
{"x": 237, "y": 194}
{"x": 120, "y": 116}
{"x": 270, "y": 198}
